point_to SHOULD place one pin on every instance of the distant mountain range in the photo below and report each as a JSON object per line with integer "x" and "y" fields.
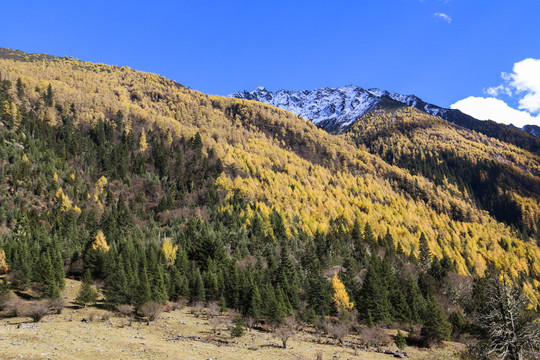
{"x": 336, "y": 110}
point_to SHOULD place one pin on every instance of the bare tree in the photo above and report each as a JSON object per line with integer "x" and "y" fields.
{"x": 215, "y": 322}
{"x": 510, "y": 327}
{"x": 284, "y": 333}
{"x": 151, "y": 310}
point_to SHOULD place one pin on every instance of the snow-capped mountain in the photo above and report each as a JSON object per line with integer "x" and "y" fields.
{"x": 532, "y": 129}
{"x": 336, "y": 109}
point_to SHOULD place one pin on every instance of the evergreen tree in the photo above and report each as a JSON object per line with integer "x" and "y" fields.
{"x": 399, "y": 340}
{"x": 197, "y": 291}
{"x": 414, "y": 299}
{"x": 117, "y": 288}
{"x": 238, "y": 329}
{"x": 142, "y": 293}
{"x": 87, "y": 293}
{"x": 436, "y": 325}
{"x": 374, "y": 296}
{"x": 425, "y": 254}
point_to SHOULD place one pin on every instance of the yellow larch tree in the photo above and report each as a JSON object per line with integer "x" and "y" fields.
{"x": 100, "y": 242}
{"x": 341, "y": 298}
{"x": 168, "y": 250}
{"x": 143, "y": 145}
{"x": 3, "y": 264}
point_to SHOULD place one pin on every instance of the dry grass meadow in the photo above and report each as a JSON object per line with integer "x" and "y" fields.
{"x": 178, "y": 334}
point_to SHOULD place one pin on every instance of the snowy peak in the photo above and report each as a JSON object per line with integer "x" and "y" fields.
{"x": 336, "y": 109}
{"x": 332, "y": 109}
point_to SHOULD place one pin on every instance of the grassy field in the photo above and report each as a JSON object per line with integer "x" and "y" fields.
{"x": 177, "y": 334}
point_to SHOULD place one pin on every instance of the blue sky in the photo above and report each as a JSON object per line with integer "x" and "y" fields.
{"x": 447, "y": 52}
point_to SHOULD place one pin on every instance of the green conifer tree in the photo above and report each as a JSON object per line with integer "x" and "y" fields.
{"x": 436, "y": 325}
{"x": 87, "y": 293}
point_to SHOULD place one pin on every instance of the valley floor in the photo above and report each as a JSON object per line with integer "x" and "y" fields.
{"x": 175, "y": 335}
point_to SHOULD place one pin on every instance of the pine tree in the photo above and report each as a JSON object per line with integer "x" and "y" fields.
{"x": 374, "y": 294}
{"x": 424, "y": 253}
{"x": 157, "y": 288}
{"x": 369, "y": 237}
{"x": 414, "y": 299}
{"x": 399, "y": 340}
{"x": 143, "y": 293}
{"x": 87, "y": 294}
{"x": 197, "y": 291}
{"x": 254, "y": 309}
{"x": 117, "y": 289}
{"x": 436, "y": 325}
{"x": 238, "y": 329}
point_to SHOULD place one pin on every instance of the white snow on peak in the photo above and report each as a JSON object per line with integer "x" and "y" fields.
{"x": 333, "y": 109}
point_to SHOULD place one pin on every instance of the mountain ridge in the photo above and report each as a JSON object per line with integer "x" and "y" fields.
{"x": 336, "y": 110}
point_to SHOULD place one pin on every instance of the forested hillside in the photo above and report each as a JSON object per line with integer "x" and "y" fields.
{"x": 158, "y": 192}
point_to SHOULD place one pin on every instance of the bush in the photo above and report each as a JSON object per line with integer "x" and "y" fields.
{"x": 151, "y": 310}
{"x": 338, "y": 331}
{"x": 126, "y": 310}
{"x": 374, "y": 337}
{"x": 56, "y": 305}
{"x": 13, "y": 306}
{"x": 37, "y": 310}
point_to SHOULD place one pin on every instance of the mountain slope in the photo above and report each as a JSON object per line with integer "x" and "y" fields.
{"x": 336, "y": 109}
{"x": 275, "y": 166}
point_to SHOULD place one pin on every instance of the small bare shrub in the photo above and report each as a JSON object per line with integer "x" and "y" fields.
{"x": 106, "y": 316}
{"x": 249, "y": 322}
{"x": 179, "y": 304}
{"x": 213, "y": 309}
{"x": 374, "y": 337}
{"x": 37, "y": 310}
{"x": 338, "y": 331}
{"x": 13, "y": 306}
{"x": 93, "y": 315}
{"x": 318, "y": 355}
{"x": 57, "y": 305}
{"x": 215, "y": 322}
{"x": 151, "y": 310}
{"x": 198, "y": 309}
{"x": 126, "y": 310}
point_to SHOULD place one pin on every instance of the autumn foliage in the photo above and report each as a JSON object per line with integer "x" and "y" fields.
{"x": 340, "y": 297}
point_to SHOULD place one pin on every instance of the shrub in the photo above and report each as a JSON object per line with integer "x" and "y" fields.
{"x": 151, "y": 310}
{"x": 338, "y": 331}
{"x": 126, "y": 310}
{"x": 37, "y": 310}
{"x": 374, "y": 337}
{"x": 56, "y": 305}
{"x": 13, "y": 306}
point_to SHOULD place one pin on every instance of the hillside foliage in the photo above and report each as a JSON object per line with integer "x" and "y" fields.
{"x": 160, "y": 192}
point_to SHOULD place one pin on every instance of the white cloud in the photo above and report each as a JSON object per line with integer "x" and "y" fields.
{"x": 525, "y": 78}
{"x": 443, "y": 16}
{"x": 494, "y": 109}
{"x": 498, "y": 90}
{"x": 523, "y": 84}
